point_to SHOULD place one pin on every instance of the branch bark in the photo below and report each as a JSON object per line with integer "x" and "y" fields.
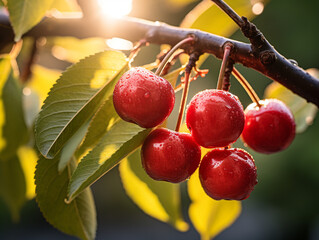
{"x": 268, "y": 62}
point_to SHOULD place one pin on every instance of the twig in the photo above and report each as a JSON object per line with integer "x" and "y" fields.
{"x": 227, "y": 49}
{"x": 26, "y": 72}
{"x": 281, "y": 70}
{"x": 228, "y": 71}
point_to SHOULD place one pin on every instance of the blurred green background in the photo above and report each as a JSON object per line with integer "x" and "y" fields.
{"x": 284, "y": 204}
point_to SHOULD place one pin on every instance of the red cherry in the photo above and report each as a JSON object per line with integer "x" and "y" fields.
{"x": 269, "y": 128}
{"x": 215, "y": 118}
{"x": 228, "y": 174}
{"x": 143, "y": 98}
{"x": 170, "y": 156}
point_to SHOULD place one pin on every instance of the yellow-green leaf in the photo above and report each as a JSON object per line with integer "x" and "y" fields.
{"x": 159, "y": 199}
{"x": 304, "y": 112}
{"x": 36, "y": 90}
{"x": 209, "y": 216}
{"x": 208, "y": 17}
{"x": 28, "y": 160}
{"x": 179, "y": 3}
{"x": 25, "y": 14}
{"x": 101, "y": 123}
{"x": 121, "y": 139}
{"x": 66, "y": 6}
{"x": 172, "y": 77}
{"x": 72, "y": 49}
{"x": 42, "y": 80}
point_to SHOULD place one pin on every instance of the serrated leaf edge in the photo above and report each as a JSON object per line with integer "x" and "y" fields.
{"x": 72, "y": 196}
{"x": 45, "y": 154}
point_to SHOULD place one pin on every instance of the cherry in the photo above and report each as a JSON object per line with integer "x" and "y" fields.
{"x": 228, "y": 174}
{"x": 170, "y": 156}
{"x": 143, "y": 98}
{"x": 269, "y": 128}
{"x": 215, "y": 118}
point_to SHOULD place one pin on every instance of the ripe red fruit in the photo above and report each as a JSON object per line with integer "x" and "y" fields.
{"x": 215, "y": 118}
{"x": 269, "y": 128}
{"x": 170, "y": 156}
{"x": 143, "y": 98}
{"x": 228, "y": 174}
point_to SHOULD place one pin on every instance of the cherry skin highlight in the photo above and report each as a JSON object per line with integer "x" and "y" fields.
{"x": 143, "y": 98}
{"x": 170, "y": 156}
{"x": 215, "y": 118}
{"x": 270, "y": 128}
{"x": 228, "y": 174}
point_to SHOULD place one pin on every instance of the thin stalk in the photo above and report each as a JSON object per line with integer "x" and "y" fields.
{"x": 230, "y": 12}
{"x": 26, "y": 72}
{"x": 15, "y": 50}
{"x": 250, "y": 91}
{"x": 227, "y": 50}
{"x": 170, "y": 53}
{"x": 183, "y": 101}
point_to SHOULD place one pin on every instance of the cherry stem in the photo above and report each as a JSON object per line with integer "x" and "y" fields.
{"x": 170, "y": 53}
{"x": 26, "y": 72}
{"x": 183, "y": 101}
{"x": 16, "y": 49}
{"x": 230, "y": 12}
{"x": 248, "y": 88}
{"x": 227, "y": 49}
{"x": 193, "y": 58}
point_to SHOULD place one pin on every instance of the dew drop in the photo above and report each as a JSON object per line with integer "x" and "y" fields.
{"x": 147, "y": 95}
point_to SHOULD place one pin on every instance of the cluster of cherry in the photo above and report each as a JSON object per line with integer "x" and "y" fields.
{"x": 215, "y": 119}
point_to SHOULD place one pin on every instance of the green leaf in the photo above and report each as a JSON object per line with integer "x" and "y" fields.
{"x": 77, "y": 218}
{"x": 72, "y": 49}
{"x": 209, "y": 216}
{"x": 117, "y": 143}
{"x": 68, "y": 150}
{"x": 102, "y": 121}
{"x": 159, "y": 199}
{"x": 172, "y": 77}
{"x": 12, "y": 185}
{"x": 304, "y": 112}
{"x": 13, "y": 129}
{"x": 75, "y": 97}
{"x": 26, "y": 14}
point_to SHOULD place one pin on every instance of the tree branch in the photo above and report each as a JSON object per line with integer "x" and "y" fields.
{"x": 269, "y": 62}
